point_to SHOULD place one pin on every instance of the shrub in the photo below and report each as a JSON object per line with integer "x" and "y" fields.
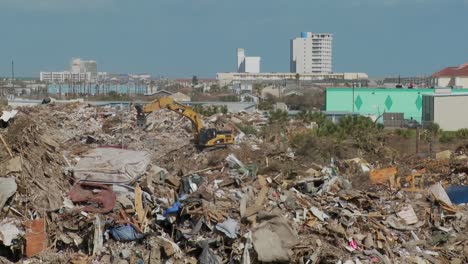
{"x": 224, "y": 109}
{"x": 406, "y": 133}
{"x": 433, "y": 128}
{"x": 304, "y": 142}
{"x": 447, "y": 137}
{"x": 247, "y": 129}
{"x": 462, "y": 133}
{"x": 278, "y": 116}
{"x": 229, "y": 98}
{"x": 357, "y": 127}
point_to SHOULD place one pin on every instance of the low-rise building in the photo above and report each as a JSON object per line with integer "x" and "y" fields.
{"x": 280, "y": 106}
{"x": 275, "y": 91}
{"x": 249, "y": 98}
{"x": 241, "y": 88}
{"x": 64, "y": 77}
{"x": 227, "y": 78}
{"x": 374, "y": 102}
{"x": 456, "y": 76}
{"x": 446, "y": 109}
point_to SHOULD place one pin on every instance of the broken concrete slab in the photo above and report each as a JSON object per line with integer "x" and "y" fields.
{"x": 7, "y": 189}
{"x": 273, "y": 237}
{"x": 268, "y": 246}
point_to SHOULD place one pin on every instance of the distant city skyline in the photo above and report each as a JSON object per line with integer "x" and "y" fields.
{"x": 181, "y": 38}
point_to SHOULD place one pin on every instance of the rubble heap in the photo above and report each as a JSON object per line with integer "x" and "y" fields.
{"x": 81, "y": 184}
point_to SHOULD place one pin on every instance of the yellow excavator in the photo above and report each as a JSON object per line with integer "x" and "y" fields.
{"x": 204, "y": 137}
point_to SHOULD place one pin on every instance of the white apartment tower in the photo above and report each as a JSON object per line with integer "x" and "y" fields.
{"x": 312, "y": 53}
{"x": 247, "y": 64}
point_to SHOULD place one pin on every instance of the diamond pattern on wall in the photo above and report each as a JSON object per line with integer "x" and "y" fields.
{"x": 418, "y": 102}
{"x": 388, "y": 102}
{"x": 358, "y": 102}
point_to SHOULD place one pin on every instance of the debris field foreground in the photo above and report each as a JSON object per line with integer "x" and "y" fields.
{"x": 81, "y": 184}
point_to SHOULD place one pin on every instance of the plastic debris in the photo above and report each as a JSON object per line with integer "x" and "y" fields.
{"x": 458, "y": 194}
{"x": 207, "y": 256}
{"x": 174, "y": 209}
{"x": 230, "y": 228}
{"x": 125, "y": 233}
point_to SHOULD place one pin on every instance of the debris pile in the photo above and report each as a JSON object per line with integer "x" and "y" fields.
{"x": 82, "y": 184}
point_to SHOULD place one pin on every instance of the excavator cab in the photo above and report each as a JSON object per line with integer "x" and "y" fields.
{"x": 210, "y": 137}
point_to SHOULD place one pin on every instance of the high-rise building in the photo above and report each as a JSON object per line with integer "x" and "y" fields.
{"x": 80, "y": 66}
{"x": 247, "y": 64}
{"x": 312, "y": 53}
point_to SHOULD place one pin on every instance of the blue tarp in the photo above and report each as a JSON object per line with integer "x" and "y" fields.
{"x": 458, "y": 194}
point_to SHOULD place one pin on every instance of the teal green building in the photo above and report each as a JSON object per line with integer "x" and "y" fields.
{"x": 376, "y": 101}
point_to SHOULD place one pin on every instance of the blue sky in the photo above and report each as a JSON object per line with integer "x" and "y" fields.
{"x": 181, "y": 38}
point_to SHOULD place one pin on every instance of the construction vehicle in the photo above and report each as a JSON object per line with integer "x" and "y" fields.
{"x": 203, "y": 137}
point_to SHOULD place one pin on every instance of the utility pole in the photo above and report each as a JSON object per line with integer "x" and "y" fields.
{"x": 418, "y": 135}
{"x": 13, "y": 75}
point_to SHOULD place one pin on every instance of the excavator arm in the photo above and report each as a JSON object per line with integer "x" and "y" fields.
{"x": 168, "y": 103}
{"x": 203, "y": 137}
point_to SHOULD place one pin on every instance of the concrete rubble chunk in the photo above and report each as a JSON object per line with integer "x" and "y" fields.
{"x": 407, "y": 213}
{"x": 9, "y": 231}
{"x": 7, "y": 115}
{"x": 13, "y": 165}
{"x": 444, "y": 155}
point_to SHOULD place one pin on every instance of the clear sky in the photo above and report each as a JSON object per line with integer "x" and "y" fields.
{"x": 181, "y": 38}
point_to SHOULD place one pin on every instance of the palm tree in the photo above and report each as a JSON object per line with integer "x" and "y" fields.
{"x": 298, "y": 80}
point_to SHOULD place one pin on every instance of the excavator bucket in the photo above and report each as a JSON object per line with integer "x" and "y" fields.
{"x": 141, "y": 117}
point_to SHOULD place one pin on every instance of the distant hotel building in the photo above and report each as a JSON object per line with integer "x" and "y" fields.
{"x": 80, "y": 71}
{"x": 311, "y": 53}
{"x": 64, "y": 76}
{"x": 226, "y": 78}
{"x": 247, "y": 64}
